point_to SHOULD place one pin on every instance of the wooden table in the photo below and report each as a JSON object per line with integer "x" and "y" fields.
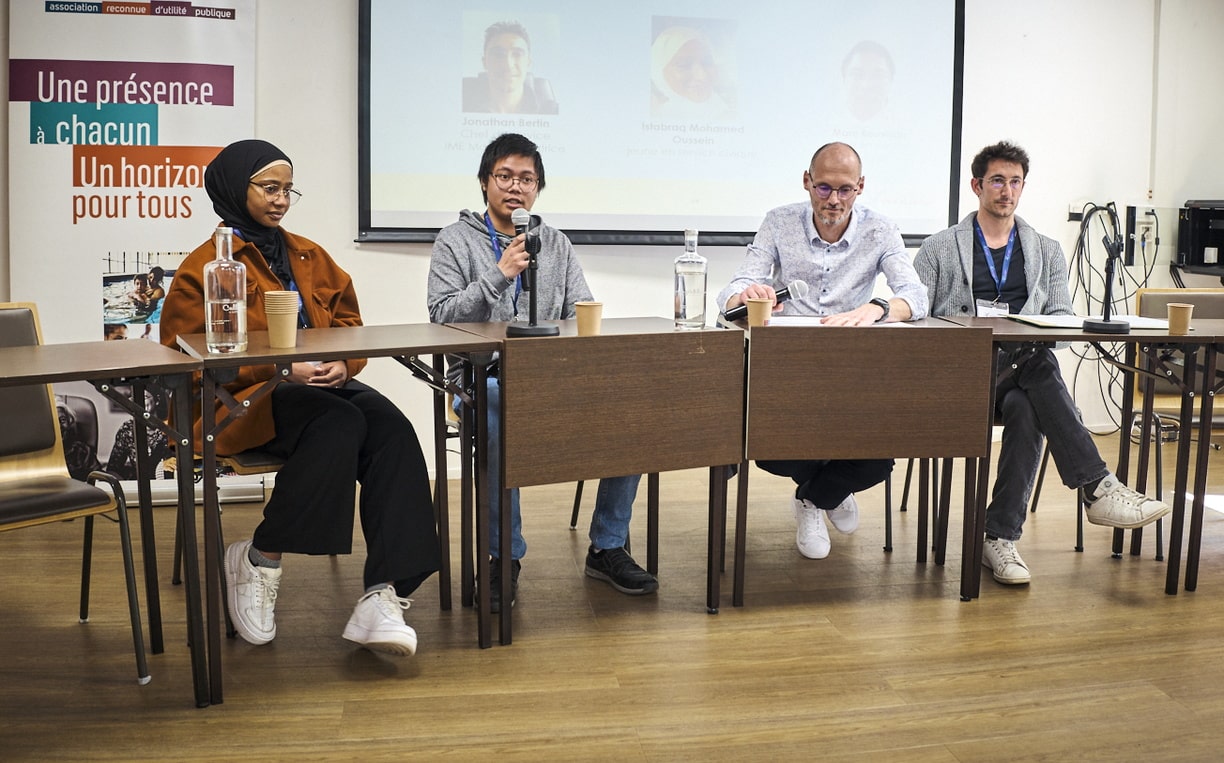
{"x": 111, "y": 367}
{"x": 919, "y": 389}
{"x": 640, "y": 398}
{"x": 402, "y": 342}
{"x": 1151, "y": 346}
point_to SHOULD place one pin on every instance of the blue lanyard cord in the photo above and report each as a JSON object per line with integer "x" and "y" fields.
{"x": 497, "y": 253}
{"x": 1007, "y": 255}
{"x": 303, "y": 319}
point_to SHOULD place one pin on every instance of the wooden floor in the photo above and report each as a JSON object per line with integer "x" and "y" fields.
{"x": 863, "y": 656}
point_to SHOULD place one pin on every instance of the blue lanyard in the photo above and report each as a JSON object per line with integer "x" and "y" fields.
{"x": 303, "y": 319}
{"x": 497, "y": 253}
{"x": 1007, "y": 255}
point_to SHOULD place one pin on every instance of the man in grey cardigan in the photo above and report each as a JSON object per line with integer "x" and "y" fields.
{"x": 994, "y": 263}
{"x": 474, "y": 276}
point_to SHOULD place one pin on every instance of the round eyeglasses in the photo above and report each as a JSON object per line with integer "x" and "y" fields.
{"x": 506, "y": 181}
{"x": 273, "y": 192}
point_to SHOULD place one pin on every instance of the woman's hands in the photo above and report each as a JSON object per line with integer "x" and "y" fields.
{"x": 331, "y": 373}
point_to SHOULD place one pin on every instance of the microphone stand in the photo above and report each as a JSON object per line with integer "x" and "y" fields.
{"x": 518, "y": 328}
{"x": 1113, "y": 250}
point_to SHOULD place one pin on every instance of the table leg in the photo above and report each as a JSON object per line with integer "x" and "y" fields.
{"x": 924, "y": 507}
{"x": 441, "y": 489}
{"x": 1177, "y": 525}
{"x": 714, "y": 544}
{"x": 467, "y": 425}
{"x": 1200, "y": 469}
{"x": 741, "y": 534}
{"x": 184, "y": 455}
{"x": 148, "y": 541}
{"x": 975, "y": 522}
{"x": 945, "y": 506}
{"x": 478, "y": 426}
{"x": 212, "y": 550}
{"x": 652, "y": 523}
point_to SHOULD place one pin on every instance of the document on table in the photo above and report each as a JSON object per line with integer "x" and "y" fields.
{"x": 1077, "y": 321}
{"x": 811, "y": 320}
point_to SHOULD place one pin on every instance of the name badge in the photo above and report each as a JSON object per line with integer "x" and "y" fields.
{"x": 988, "y": 309}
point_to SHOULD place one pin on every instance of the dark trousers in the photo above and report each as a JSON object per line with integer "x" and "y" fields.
{"x": 1034, "y": 402}
{"x": 331, "y": 439}
{"x": 827, "y": 483}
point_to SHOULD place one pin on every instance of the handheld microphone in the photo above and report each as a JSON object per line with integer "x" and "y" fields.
{"x": 521, "y": 219}
{"x": 522, "y": 222}
{"x": 795, "y": 288}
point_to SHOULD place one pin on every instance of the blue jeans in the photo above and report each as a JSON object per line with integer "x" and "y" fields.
{"x": 613, "y": 500}
{"x": 1034, "y": 402}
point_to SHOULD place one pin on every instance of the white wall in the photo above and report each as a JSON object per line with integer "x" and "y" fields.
{"x": 1071, "y": 82}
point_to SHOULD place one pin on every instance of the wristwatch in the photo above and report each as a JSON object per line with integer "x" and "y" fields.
{"x": 883, "y": 305}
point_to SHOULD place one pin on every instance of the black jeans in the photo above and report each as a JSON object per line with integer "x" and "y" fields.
{"x": 330, "y": 439}
{"x": 1034, "y": 402}
{"x": 828, "y": 483}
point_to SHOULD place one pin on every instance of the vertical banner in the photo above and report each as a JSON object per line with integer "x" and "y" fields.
{"x": 115, "y": 109}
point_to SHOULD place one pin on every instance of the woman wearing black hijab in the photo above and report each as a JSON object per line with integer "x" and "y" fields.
{"x": 330, "y": 430}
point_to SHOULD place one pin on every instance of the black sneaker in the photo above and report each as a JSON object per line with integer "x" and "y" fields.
{"x": 615, "y": 566}
{"x": 495, "y": 583}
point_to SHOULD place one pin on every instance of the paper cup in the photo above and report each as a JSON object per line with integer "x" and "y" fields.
{"x": 590, "y": 315}
{"x": 758, "y": 310}
{"x": 282, "y": 329}
{"x": 1179, "y": 317}
{"x": 281, "y": 301}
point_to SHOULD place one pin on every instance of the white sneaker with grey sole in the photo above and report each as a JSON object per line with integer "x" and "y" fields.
{"x": 845, "y": 517}
{"x": 1004, "y": 562}
{"x": 1116, "y": 505}
{"x": 251, "y": 594}
{"x": 378, "y": 623}
{"x": 812, "y": 537}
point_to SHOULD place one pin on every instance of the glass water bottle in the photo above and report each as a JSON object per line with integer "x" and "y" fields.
{"x": 225, "y": 319}
{"x": 690, "y": 285}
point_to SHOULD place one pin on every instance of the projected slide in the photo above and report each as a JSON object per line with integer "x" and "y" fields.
{"x": 655, "y": 116}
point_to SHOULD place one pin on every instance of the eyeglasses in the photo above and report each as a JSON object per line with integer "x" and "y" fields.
{"x": 998, "y": 181}
{"x": 516, "y": 53}
{"x": 506, "y": 181}
{"x": 824, "y": 190}
{"x": 273, "y": 192}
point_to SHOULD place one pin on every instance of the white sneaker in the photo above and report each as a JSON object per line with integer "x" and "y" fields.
{"x": 251, "y": 594}
{"x": 378, "y": 623}
{"x": 1116, "y": 505}
{"x": 1004, "y": 561}
{"x": 845, "y": 517}
{"x": 812, "y": 537}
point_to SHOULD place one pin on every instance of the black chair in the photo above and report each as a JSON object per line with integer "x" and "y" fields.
{"x": 35, "y": 486}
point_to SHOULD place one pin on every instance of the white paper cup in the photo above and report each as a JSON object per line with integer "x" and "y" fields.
{"x": 1179, "y": 317}
{"x": 590, "y": 316}
{"x": 282, "y": 329}
{"x": 758, "y": 310}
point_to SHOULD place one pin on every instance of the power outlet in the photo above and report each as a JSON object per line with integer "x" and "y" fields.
{"x": 1139, "y": 225}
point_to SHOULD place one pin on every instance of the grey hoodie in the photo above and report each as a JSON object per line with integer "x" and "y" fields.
{"x": 465, "y": 285}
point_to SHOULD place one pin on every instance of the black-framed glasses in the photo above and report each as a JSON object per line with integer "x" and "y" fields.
{"x": 273, "y": 192}
{"x": 998, "y": 181}
{"x": 824, "y": 191}
{"x": 506, "y": 181}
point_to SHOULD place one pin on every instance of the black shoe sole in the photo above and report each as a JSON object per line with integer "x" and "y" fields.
{"x": 648, "y": 588}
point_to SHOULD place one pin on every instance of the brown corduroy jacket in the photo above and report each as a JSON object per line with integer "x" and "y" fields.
{"x": 329, "y": 299}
